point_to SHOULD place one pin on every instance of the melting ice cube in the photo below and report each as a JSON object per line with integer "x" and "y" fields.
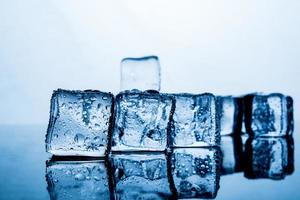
{"x": 196, "y": 121}
{"x": 142, "y": 121}
{"x": 140, "y": 73}
{"x": 79, "y": 123}
{"x": 268, "y": 115}
{"x": 231, "y": 114}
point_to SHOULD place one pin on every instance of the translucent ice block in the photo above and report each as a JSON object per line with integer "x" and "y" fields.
{"x": 140, "y": 73}
{"x": 232, "y": 154}
{"x": 196, "y": 172}
{"x": 196, "y": 121}
{"x": 142, "y": 121}
{"x": 231, "y": 114}
{"x": 140, "y": 176}
{"x": 77, "y": 180}
{"x": 79, "y": 123}
{"x": 270, "y": 158}
{"x": 268, "y": 115}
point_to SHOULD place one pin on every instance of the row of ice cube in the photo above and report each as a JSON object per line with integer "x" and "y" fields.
{"x": 91, "y": 123}
{"x": 185, "y": 173}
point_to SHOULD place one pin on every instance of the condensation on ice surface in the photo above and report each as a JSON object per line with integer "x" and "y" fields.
{"x": 79, "y": 123}
{"x": 196, "y": 172}
{"x": 140, "y": 73}
{"x": 77, "y": 180}
{"x": 269, "y": 115}
{"x": 142, "y": 121}
{"x": 196, "y": 121}
{"x": 140, "y": 176}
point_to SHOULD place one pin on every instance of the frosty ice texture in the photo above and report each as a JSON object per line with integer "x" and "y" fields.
{"x": 230, "y": 110}
{"x": 196, "y": 121}
{"x": 232, "y": 153}
{"x": 140, "y": 176}
{"x": 196, "y": 172}
{"x": 79, "y": 123}
{"x": 268, "y": 115}
{"x": 142, "y": 121}
{"x": 140, "y": 73}
{"x": 77, "y": 180}
{"x": 270, "y": 158}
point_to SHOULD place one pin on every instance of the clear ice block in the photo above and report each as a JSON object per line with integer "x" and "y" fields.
{"x": 79, "y": 123}
{"x": 140, "y": 176}
{"x": 196, "y": 121}
{"x": 142, "y": 121}
{"x": 77, "y": 180}
{"x": 140, "y": 73}
{"x": 231, "y": 114}
{"x": 232, "y": 154}
{"x": 268, "y": 115}
{"x": 270, "y": 158}
{"x": 196, "y": 172}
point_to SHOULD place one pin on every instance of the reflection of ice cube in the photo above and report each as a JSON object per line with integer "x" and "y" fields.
{"x": 231, "y": 114}
{"x": 79, "y": 123}
{"x": 268, "y": 115}
{"x": 140, "y": 73}
{"x": 232, "y": 153}
{"x": 77, "y": 180}
{"x": 196, "y": 172}
{"x": 141, "y": 121}
{"x": 268, "y": 158}
{"x": 140, "y": 176}
{"x": 196, "y": 122}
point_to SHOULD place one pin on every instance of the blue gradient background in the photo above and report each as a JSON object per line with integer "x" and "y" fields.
{"x": 224, "y": 47}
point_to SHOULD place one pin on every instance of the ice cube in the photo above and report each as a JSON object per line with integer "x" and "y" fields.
{"x": 140, "y": 176}
{"x": 196, "y": 121}
{"x": 268, "y": 115}
{"x": 232, "y": 154}
{"x": 140, "y": 73}
{"x": 196, "y": 172}
{"x": 290, "y": 115}
{"x": 77, "y": 180}
{"x": 231, "y": 114}
{"x": 79, "y": 123}
{"x": 270, "y": 158}
{"x": 142, "y": 121}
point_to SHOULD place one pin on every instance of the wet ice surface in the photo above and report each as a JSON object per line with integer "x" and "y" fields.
{"x": 24, "y": 173}
{"x": 77, "y": 180}
{"x": 142, "y": 121}
{"x": 79, "y": 123}
{"x": 196, "y": 122}
{"x": 140, "y": 73}
{"x": 268, "y": 115}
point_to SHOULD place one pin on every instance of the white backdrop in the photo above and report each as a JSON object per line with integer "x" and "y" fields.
{"x": 224, "y": 47}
